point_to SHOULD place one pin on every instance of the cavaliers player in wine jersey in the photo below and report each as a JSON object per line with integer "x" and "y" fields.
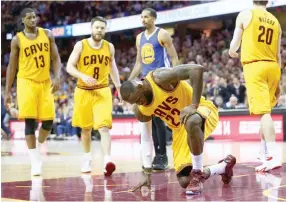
{"x": 192, "y": 118}
{"x": 259, "y": 33}
{"x": 31, "y": 52}
{"x": 92, "y": 61}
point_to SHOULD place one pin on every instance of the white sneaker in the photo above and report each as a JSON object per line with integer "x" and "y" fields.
{"x": 269, "y": 165}
{"x": 36, "y": 168}
{"x": 86, "y": 165}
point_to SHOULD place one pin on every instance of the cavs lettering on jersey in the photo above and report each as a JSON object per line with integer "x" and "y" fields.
{"x": 168, "y": 104}
{"x": 260, "y": 38}
{"x": 96, "y": 63}
{"x": 153, "y": 54}
{"x": 34, "y": 57}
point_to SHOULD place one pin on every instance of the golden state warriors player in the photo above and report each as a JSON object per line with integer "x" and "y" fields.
{"x": 154, "y": 47}
{"x": 259, "y": 33}
{"x": 91, "y": 61}
{"x": 192, "y": 118}
{"x": 31, "y": 52}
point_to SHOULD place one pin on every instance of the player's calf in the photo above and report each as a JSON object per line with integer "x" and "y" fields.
{"x": 45, "y": 130}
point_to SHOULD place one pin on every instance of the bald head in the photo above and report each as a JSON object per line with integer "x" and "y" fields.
{"x": 126, "y": 89}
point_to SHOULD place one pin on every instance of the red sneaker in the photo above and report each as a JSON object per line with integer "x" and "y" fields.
{"x": 109, "y": 169}
{"x": 196, "y": 184}
{"x": 227, "y": 175}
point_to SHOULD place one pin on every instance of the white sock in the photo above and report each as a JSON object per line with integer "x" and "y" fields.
{"x": 146, "y": 144}
{"x": 217, "y": 169}
{"x": 34, "y": 155}
{"x": 87, "y": 155}
{"x": 198, "y": 162}
{"x": 263, "y": 147}
{"x": 107, "y": 158}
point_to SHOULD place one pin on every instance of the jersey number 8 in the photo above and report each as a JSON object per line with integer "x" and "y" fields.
{"x": 96, "y": 72}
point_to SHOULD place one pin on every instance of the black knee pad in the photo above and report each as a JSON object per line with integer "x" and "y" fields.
{"x": 30, "y": 126}
{"x": 47, "y": 125}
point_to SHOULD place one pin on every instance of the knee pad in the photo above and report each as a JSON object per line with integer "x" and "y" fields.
{"x": 47, "y": 125}
{"x": 30, "y": 126}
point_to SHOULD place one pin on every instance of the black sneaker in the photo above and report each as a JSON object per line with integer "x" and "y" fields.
{"x": 155, "y": 160}
{"x": 162, "y": 163}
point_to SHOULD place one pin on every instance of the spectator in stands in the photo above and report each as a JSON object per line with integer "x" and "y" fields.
{"x": 5, "y": 132}
{"x": 61, "y": 124}
{"x": 237, "y": 89}
{"x": 219, "y": 89}
{"x": 117, "y": 108}
{"x": 219, "y": 103}
{"x": 232, "y": 103}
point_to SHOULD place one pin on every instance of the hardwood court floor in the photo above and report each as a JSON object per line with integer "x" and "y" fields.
{"x": 62, "y": 180}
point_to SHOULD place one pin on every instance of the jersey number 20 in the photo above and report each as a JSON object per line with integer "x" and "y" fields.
{"x": 268, "y": 34}
{"x": 96, "y": 72}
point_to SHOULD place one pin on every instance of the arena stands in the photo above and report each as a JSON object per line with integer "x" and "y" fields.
{"x": 224, "y": 81}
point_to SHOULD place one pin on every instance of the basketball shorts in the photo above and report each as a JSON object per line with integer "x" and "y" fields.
{"x": 92, "y": 108}
{"x": 181, "y": 150}
{"x": 35, "y": 100}
{"x": 261, "y": 81}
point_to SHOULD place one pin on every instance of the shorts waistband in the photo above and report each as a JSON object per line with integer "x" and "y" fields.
{"x": 245, "y": 63}
{"x": 92, "y": 87}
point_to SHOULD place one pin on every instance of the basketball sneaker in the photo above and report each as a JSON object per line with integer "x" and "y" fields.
{"x": 109, "y": 166}
{"x": 227, "y": 175}
{"x": 271, "y": 164}
{"x": 86, "y": 165}
{"x": 196, "y": 184}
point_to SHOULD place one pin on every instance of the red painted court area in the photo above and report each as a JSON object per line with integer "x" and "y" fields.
{"x": 245, "y": 186}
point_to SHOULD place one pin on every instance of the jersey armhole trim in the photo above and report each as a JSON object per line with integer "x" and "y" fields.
{"x": 160, "y": 42}
{"x": 252, "y": 15}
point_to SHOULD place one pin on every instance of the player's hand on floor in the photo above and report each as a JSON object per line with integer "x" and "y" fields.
{"x": 186, "y": 113}
{"x": 88, "y": 80}
{"x": 233, "y": 54}
{"x": 56, "y": 85}
{"x": 145, "y": 182}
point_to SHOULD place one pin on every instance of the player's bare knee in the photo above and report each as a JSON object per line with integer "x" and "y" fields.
{"x": 30, "y": 126}
{"x": 47, "y": 125}
{"x": 184, "y": 181}
{"x": 193, "y": 122}
{"x": 103, "y": 130}
{"x": 86, "y": 132}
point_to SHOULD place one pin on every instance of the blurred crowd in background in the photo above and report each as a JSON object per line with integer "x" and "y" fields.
{"x": 223, "y": 80}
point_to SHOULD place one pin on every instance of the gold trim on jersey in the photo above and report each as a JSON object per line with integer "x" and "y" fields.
{"x": 248, "y": 62}
{"x": 93, "y": 87}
